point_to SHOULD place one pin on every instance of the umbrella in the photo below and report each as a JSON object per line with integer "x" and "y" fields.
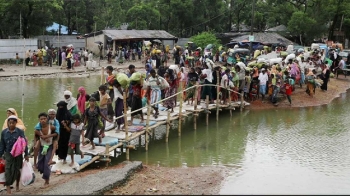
{"x": 157, "y": 40}
{"x": 70, "y": 46}
{"x": 199, "y": 48}
{"x": 190, "y": 42}
{"x": 98, "y": 42}
{"x": 209, "y": 46}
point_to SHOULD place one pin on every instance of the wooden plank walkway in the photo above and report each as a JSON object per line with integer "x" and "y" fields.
{"x": 163, "y": 118}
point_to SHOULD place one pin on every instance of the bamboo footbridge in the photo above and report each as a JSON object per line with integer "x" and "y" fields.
{"x": 104, "y": 152}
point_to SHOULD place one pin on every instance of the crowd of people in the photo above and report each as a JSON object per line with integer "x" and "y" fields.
{"x": 82, "y": 118}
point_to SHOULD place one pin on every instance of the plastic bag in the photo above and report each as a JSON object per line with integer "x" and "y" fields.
{"x": 2, "y": 171}
{"x": 19, "y": 147}
{"x": 27, "y": 174}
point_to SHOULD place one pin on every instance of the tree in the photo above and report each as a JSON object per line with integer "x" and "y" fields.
{"x": 36, "y": 15}
{"x": 143, "y": 16}
{"x": 301, "y": 24}
{"x": 205, "y": 38}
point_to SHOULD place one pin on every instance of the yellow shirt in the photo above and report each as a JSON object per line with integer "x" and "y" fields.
{"x": 104, "y": 100}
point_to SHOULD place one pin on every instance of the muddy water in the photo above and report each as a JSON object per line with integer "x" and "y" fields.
{"x": 279, "y": 151}
{"x": 39, "y": 96}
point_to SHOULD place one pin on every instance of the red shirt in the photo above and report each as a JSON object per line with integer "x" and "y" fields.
{"x": 137, "y": 90}
{"x": 288, "y": 89}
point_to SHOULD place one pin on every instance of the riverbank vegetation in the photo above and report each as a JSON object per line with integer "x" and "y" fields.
{"x": 179, "y": 17}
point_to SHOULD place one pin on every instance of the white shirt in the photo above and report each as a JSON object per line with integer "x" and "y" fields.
{"x": 341, "y": 64}
{"x": 90, "y": 57}
{"x": 263, "y": 78}
{"x": 209, "y": 74}
{"x": 117, "y": 94}
{"x": 224, "y": 81}
{"x": 86, "y": 53}
{"x": 302, "y": 67}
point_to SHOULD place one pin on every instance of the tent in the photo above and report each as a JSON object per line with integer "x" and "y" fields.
{"x": 64, "y": 29}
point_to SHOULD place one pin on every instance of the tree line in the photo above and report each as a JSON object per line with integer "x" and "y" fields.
{"x": 308, "y": 19}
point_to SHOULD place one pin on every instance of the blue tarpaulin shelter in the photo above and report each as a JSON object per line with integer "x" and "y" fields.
{"x": 55, "y": 27}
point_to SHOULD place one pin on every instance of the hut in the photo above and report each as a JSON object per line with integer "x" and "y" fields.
{"x": 113, "y": 39}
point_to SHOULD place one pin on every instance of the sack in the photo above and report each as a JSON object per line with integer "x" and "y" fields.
{"x": 19, "y": 147}
{"x": 137, "y": 76}
{"x": 123, "y": 79}
{"x": 27, "y": 174}
{"x": 163, "y": 83}
{"x": 2, "y": 171}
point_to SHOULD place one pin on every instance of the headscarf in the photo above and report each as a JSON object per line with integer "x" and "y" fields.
{"x": 62, "y": 113}
{"x": 149, "y": 66}
{"x": 19, "y": 124}
{"x": 71, "y": 102}
{"x": 52, "y": 111}
{"x": 81, "y": 99}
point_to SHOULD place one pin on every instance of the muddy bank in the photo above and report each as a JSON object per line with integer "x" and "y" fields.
{"x": 153, "y": 180}
{"x": 300, "y": 99}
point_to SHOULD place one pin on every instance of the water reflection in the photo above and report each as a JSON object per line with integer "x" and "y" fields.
{"x": 278, "y": 151}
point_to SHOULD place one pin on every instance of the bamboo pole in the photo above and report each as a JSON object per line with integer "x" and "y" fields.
{"x": 229, "y": 101}
{"x": 126, "y": 124}
{"x": 195, "y": 106}
{"x": 195, "y": 97}
{"x": 102, "y": 75}
{"x": 167, "y": 127}
{"x": 242, "y": 102}
{"x": 207, "y": 107}
{"x": 217, "y": 94}
{"x": 180, "y": 110}
{"x": 147, "y": 126}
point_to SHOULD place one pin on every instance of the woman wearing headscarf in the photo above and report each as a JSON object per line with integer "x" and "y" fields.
{"x": 92, "y": 115}
{"x": 310, "y": 78}
{"x": 148, "y": 68}
{"x": 63, "y": 115}
{"x": 171, "y": 90}
{"x": 82, "y": 99}
{"x": 192, "y": 78}
{"x": 19, "y": 124}
{"x": 325, "y": 77}
{"x": 72, "y": 105}
{"x": 13, "y": 166}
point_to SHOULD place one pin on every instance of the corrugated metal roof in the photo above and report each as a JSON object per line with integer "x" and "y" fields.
{"x": 278, "y": 28}
{"x": 138, "y": 34}
{"x": 272, "y": 38}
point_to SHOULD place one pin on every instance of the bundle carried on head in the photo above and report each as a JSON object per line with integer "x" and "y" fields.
{"x": 137, "y": 77}
{"x": 123, "y": 80}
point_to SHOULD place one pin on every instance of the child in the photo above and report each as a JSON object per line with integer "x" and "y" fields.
{"x": 17, "y": 59}
{"x": 76, "y": 130}
{"x": 224, "y": 86}
{"x": 105, "y": 99}
{"x": 288, "y": 88}
{"x": 92, "y": 114}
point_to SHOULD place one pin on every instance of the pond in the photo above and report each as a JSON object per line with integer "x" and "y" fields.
{"x": 277, "y": 151}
